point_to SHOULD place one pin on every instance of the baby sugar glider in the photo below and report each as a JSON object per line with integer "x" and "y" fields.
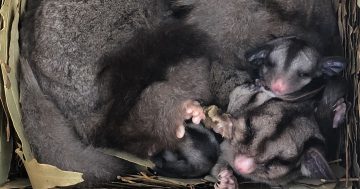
{"x": 273, "y": 136}
{"x": 288, "y": 70}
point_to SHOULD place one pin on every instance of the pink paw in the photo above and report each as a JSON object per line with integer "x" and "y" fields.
{"x": 190, "y": 110}
{"x": 340, "y": 112}
{"x": 226, "y": 180}
{"x": 193, "y": 110}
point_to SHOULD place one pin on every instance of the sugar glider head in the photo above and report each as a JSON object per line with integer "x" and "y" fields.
{"x": 288, "y": 64}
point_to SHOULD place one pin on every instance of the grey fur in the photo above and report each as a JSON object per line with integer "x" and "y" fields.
{"x": 58, "y": 41}
{"x": 62, "y": 103}
{"x": 267, "y": 129}
{"x": 159, "y": 109}
{"x": 61, "y": 34}
{"x": 64, "y": 43}
{"x": 270, "y": 130}
{"x": 53, "y": 140}
{"x": 237, "y": 26}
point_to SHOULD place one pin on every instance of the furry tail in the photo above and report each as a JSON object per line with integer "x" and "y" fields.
{"x": 146, "y": 58}
{"x": 54, "y": 141}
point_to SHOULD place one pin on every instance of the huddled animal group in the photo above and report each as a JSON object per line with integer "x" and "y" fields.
{"x": 134, "y": 76}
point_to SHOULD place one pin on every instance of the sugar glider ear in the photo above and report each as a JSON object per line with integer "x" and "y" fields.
{"x": 314, "y": 165}
{"x": 257, "y": 55}
{"x": 332, "y": 66}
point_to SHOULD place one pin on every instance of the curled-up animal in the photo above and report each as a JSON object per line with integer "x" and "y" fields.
{"x": 67, "y": 98}
{"x": 269, "y": 34}
{"x": 298, "y": 65}
{"x": 262, "y": 124}
{"x": 304, "y": 75}
{"x": 266, "y": 145}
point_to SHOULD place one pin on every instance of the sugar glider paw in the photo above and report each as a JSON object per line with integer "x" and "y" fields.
{"x": 226, "y": 180}
{"x": 340, "y": 112}
{"x": 223, "y": 125}
{"x": 190, "y": 110}
{"x": 194, "y": 111}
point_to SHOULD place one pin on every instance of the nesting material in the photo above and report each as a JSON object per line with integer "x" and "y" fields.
{"x": 349, "y": 21}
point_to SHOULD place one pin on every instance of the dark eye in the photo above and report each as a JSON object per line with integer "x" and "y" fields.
{"x": 277, "y": 162}
{"x": 301, "y": 74}
{"x": 269, "y": 64}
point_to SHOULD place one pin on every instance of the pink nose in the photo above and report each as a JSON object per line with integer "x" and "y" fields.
{"x": 278, "y": 86}
{"x": 244, "y": 164}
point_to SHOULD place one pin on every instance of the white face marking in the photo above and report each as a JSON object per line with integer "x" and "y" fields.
{"x": 305, "y": 61}
{"x": 278, "y": 57}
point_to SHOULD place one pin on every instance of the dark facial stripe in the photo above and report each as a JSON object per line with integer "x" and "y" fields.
{"x": 285, "y": 122}
{"x": 294, "y": 48}
{"x": 280, "y": 127}
{"x": 249, "y": 132}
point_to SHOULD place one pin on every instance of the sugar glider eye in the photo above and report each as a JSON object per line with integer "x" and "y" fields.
{"x": 269, "y": 64}
{"x": 303, "y": 75}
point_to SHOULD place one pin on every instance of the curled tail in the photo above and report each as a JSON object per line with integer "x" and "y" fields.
{"x": 54, "y": 140}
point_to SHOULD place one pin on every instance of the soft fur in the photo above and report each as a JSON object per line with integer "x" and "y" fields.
{"x": 193, "y": 157}
{"x": 266, "y": 131}
{"x": 150, "y": 79}
{"x": 131, "y": 98}
{"x": 63, "y": 104}
{"x": 235, "y": 27}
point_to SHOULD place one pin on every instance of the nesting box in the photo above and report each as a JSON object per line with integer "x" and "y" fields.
{"x": 46, "y": 176}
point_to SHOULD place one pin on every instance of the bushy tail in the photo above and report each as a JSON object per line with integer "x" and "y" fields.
{"x": 146, "y": 57}
{"x": 54, "y": 141}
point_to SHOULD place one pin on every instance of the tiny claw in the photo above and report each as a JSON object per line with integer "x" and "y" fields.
{"x": 196, "y": 113}
{"x": 338, "y": 102}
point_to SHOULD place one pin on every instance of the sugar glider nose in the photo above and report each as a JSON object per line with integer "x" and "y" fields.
{"x": 279, "y": 87}
{"x": 244, "y": 164}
